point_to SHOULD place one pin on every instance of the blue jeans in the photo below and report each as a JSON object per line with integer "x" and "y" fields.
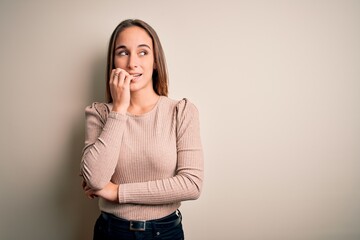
{"x": 109, "y": 227}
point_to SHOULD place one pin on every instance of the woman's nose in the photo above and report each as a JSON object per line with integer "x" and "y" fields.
{"x": 133, "y": 61}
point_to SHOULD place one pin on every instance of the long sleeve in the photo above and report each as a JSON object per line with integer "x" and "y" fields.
{"x": 103, "y": 138}
{"x": 155, "y": 157}
{"x": 186, "y": 184}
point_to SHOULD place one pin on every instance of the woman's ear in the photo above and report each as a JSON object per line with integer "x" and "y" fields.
{"x": 155, "y": 65}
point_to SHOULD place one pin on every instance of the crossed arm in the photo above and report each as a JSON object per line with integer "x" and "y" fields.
{"x": 100, "y": 158}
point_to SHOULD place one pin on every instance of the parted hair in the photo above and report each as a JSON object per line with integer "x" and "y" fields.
{"x": 160, "y": 75}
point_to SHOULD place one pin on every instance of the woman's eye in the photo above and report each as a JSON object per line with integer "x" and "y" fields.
{"x": 122, "y": 53}
{"x": 142, "y": 53}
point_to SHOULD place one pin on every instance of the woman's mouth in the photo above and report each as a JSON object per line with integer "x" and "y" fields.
{"x": 136, "y": 76}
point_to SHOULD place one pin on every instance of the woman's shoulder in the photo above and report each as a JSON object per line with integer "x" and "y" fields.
{"x": 99, "y": 109}
{"x": 181, "y": 106}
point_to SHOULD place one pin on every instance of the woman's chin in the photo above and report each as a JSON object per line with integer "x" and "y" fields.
{"x": 133, "y": 87}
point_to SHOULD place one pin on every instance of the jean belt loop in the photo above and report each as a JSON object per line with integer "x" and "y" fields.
{"x": 178, "y": 213}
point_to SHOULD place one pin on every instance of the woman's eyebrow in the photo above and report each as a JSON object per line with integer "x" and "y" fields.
{"x": 144, "y": 45}
{"x": 120, "y": 46}
{"x": 141, "y": 45}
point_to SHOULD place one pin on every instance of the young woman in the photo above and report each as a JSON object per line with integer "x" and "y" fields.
{"x": 142, "y": 154}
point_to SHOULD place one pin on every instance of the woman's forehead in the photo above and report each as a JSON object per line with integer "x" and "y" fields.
{"x": 133, "y": 36}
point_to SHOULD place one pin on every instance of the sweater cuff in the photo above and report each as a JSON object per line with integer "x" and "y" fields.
{"x": 121, "y": 193}
{"x": 117, "y": 115}
{"x": 114, "y": 125}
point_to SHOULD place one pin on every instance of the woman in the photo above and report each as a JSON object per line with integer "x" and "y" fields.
{"x": 142, "y": 153}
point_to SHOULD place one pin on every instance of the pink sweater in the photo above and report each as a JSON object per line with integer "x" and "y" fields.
{"x": 156, "y": 157}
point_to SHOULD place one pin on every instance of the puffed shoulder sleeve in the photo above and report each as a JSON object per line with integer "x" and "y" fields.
{"x": 103, "y": 137}
{"x": 188, "y": 126}
{"x": 95, "y": 116}
{"x": 189, "y": 146}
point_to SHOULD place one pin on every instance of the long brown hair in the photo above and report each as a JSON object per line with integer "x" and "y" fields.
{"x": 160, "y": 75}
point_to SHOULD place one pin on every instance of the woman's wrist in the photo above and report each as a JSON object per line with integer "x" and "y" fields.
{"x": 114, "y": 196}
{"x": 119, "y": 109}
{"x": 117, "y": 193}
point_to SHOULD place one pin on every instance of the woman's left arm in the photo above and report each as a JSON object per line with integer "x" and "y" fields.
{"x": 188, "y": 180}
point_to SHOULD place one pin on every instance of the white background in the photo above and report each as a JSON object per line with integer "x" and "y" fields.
{"x": 277, "y": 84}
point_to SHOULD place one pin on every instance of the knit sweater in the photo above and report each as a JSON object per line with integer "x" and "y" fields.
{"x": 156, "y": 157}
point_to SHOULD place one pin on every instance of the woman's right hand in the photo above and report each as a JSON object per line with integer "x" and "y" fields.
{"x": 120, "y": 89}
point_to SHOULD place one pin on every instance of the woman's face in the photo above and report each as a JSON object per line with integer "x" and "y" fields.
{"x": 134, "y": 54}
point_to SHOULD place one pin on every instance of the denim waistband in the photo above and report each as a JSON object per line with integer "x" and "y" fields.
{"x": 166, "y": 222}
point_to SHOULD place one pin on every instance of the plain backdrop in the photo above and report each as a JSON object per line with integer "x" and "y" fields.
{"x": 277, "y": 85}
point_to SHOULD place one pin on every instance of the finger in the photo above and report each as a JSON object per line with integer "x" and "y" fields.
{"x": 122, "y": 76}
{"x": 112, "y": 76}
{"x": 127, "y": 80}
{"x": 115, "y": 77}
{"x": 89, "y": 193}
{"x": 91, "y": 196}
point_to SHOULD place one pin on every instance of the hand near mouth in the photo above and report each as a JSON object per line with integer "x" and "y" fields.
{"x": 120, "y": 89}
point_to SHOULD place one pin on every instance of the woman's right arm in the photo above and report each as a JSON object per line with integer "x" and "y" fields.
{"x": 103, "y": 134}
{"x": 103, "y": 137}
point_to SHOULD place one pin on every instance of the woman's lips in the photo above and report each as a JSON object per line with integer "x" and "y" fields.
{"x": 136, "y": 76}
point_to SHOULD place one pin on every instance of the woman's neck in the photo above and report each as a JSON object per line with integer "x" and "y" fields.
{"x": 142, "y": 101}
